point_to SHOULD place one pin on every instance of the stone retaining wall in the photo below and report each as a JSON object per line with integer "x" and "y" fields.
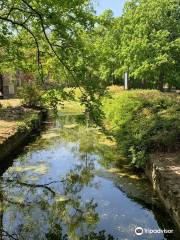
{"x": 164, "y": 173}
{"x": 19, "y": 137}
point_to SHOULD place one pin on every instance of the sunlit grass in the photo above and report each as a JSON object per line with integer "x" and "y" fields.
{"x": 71, "y": 107}
{"x": 10, "y": 102}
{"x": 114, "y": 89}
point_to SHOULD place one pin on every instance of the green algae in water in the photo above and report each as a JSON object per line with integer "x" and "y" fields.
{"x": 66, "y": 186}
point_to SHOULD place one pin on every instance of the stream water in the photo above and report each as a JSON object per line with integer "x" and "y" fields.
{"x": 65, "y": 186}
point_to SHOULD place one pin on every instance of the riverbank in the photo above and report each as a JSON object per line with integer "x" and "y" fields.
{"x": 163, "y": 170}
{"x": 144, "y": 124}
{"x": 148, "y": 119}
{"x": 16, "y": 125}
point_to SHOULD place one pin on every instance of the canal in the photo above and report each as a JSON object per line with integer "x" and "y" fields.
{"x": 66, "y": 185}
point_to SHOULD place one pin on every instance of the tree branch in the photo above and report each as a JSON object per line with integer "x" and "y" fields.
{"x": 16, "y": 181}
{"x": 13, "y": 22}
{"x": 51, "y": 45}
{"x": 10, "y": 236}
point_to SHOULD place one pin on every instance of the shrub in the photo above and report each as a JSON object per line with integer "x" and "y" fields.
{"x": 34, "y": 95}
{"x": 30, "y": 94}
{"x": 144, "y": 121}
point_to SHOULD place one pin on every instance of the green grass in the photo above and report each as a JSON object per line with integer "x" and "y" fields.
{"x": 71, "y": 107}
{"x": 143, "y": 122}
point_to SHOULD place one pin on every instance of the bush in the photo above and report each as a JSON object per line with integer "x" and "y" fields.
{"x": 38, "y": 96}
{"x": 144, "y": 121}
{"x": 30, "y": 94}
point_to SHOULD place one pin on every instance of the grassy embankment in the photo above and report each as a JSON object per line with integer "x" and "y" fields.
{"x": 142, "y": 121}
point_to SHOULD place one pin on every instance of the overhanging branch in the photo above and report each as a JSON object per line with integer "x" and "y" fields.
{"x": 22, "y": 25}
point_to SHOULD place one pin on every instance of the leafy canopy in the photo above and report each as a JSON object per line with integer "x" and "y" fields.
{"x": 150, "y": 41}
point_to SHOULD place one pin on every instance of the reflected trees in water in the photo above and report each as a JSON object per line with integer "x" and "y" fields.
{"x": 42, "y": 211}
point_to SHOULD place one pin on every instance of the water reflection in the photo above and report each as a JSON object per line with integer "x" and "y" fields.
{"x": 39, "y": 210}
{"x": 59, "y": 189}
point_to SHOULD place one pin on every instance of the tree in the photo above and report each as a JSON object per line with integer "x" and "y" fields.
{"x": 55, "y": 30}
{"x": 150, "y": 42}
{"x": 52, "y": 25}
{"x": 105, "y": 45}
{"x": 102, "y": 44}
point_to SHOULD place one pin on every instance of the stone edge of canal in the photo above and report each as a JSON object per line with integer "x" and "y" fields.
{"x": 166, "y": 184}
{"x": 21, "y": 135}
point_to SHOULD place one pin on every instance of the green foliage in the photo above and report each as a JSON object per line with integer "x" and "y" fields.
{"x": 80, "y": 49}
{"x": 104, "y": 44}
{"x": 150, "y": 42}
{"x": 98, "y": 236}
{"x": 30, "y": 94}
{"x": 56, "y": 234}
{"x": 33, "y": 95}
{"x": 92, "y": 236}
{"x": 50, "y": 40}
{"x": 144, "y": 121}
{"x": 53, "y": 97}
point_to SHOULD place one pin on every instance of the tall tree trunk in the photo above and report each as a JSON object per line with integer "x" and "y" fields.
{"x": 169, "y": 87}
{"x": 160, "y": 82}
{"x": 143, "y": 84}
